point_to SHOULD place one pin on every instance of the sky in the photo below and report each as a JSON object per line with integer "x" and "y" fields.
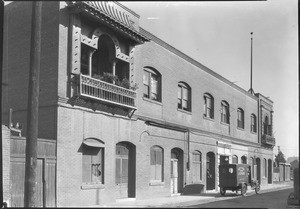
{"x": 217, "y": 34}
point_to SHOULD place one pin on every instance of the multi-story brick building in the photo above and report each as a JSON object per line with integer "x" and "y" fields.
{"x": 131, "y": 116}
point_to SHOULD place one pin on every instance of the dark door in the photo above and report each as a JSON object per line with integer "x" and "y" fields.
{"x": 210, "y": 171}
{"x": 269, "y": 171}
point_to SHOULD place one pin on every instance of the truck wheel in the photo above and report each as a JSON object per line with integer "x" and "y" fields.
{"x": 222, "y": 191}
{"x": 244, "y": 190}
{"x": 257, "y": 188}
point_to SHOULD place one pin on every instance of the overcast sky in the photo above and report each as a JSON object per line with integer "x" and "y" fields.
{"x": 217, "y": 34}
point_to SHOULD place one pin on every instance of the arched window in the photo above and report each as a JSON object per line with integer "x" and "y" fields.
{"x": 197, "y": 166}
{"x": 156, "y": 163}
{"x": 208, "y": 106}
{"x": 152, "y": 84}
{"x": 184, "y": 96}
{"x": 240, "y": 118}
{"x": 244, "y": 159}
{"x": 224, "y": 112}
{"x": 266, "y": 125}
{"x": 253, "y": 123}
{"x": 235, "y": 159}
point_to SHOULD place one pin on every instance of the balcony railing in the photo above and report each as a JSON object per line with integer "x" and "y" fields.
{"x": 267, "y": 139}
{"x": 106, "y": 92}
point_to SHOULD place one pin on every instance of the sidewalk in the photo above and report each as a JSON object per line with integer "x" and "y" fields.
{"x": 185, "y": 200}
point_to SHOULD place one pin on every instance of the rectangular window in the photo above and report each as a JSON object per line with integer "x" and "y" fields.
{"x": 92, "y": 165}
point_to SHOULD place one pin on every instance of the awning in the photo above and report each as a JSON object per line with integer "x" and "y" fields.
{"x": 93, "y": 142}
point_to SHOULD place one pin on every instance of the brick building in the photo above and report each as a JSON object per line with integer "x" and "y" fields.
{"x": 130, "y": 115}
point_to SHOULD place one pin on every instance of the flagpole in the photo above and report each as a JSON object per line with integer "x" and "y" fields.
{"x": 251, "y": 89}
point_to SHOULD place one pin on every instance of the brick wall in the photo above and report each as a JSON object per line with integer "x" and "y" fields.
{"x": 6, "y": 164}
{"x": 174, "y": 69}
{"x": 17, "y": 34}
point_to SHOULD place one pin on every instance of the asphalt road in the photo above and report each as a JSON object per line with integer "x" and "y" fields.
{"x": 270, "y": 200}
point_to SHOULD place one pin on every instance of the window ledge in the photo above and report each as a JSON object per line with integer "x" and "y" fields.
{"x": 226, "y": 124}
{"x": 92, "y": 186}
{"x": 184, "y": 111}
{"x": 208, "y": 118}
{"x": 242, "y": 129}
{"x": 197, "y": 182}
{"x": 152, "y": 101}
{"x": 156, "y": 183}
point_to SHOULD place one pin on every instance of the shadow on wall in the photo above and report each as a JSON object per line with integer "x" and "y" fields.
{"x": 193, "y": 189}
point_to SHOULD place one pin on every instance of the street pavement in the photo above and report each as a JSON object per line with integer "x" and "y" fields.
{"x": 186, "y": 200}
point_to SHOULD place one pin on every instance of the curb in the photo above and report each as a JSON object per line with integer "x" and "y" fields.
{"x": 192, "y": 202}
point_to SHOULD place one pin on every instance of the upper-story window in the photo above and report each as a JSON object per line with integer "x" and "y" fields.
{"x": 224, "y": 112}
{"x": 208, "y": 106}
{"x": 240, "y": 118}
{"x": 267, "y": 128}
{"x": 184, "y": 96}
{"x": 152, "y": 84}
{"x": 253, "y": 123}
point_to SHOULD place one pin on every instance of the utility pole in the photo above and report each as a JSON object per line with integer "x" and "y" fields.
{"x": 30, "y": 192}
{"x": 3, "y": 205}
{"x": 251, "y": 89}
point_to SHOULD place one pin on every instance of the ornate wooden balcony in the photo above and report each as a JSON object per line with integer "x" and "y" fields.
{"x": 268, "y": 140}
{"x": 106, "y": 92}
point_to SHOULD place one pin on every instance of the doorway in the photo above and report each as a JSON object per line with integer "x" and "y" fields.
{"x": 210, "y": 171}
{"x": 125, "y": 170}
{"x": 176, "y": 170}
{"x": 258, "y": 169}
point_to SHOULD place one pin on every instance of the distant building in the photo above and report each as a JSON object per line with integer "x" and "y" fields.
{"x": 112, "y": 139}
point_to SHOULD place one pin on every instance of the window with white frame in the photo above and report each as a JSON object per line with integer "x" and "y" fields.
{"x": 208, "y": 106}
{"x": 224, "y": 112}
{"x": 152, "y": 84}
{"x": 184, "y": 97}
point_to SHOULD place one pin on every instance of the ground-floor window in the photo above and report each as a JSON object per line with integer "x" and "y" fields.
{"x": 235, "y": 159}
{"x": 92, "y": 165}
{"x": 156, "y": 163}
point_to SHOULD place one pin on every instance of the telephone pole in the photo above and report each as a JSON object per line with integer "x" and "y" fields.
{"x": 30, "y": 191}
